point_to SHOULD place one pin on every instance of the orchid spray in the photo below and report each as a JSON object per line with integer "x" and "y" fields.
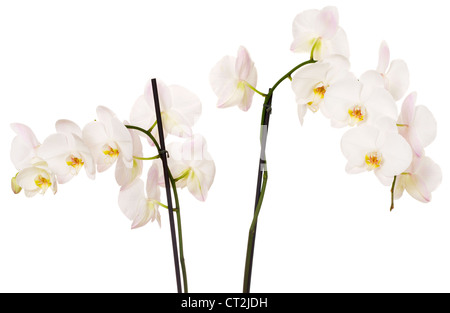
{"x": 106, "y": 142}
{"x": 380, "y": 140}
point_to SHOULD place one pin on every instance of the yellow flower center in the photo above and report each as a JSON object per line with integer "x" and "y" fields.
{"x": 357, "y": 115}
{"x": 373, "y": 160}
{"x": 319, "y": 94}
{"x": 75, "y": 162}
{"x": 320, "y": 91}
{"x": 111, "y": 152}
{"x": 42, "y": 182}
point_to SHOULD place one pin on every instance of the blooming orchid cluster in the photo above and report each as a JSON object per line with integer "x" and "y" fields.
{"x": 380, "y": 139}
{"x": 107, "y": 141}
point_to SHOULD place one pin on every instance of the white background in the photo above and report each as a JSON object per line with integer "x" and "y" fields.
{"x": 320, "y": 229}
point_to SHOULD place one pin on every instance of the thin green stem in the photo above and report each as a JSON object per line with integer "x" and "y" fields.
{"x": 255, "y": 90}
{"x": 251, "y": 235}
{"x": 392, "y": 193}
{"x": 177, "y": 204}
{"x": 153, "y": 126}
{"x": 147, "y": 159}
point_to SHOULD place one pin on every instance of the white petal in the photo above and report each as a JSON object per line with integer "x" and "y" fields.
{"x": 340, "y": 97}
{"x": 306, "y": 79}
{"x": 23, "y": 146}
{"x": 68, "y": 127}
{"x": 398, "y": 79}
{"x": 164, "y": 95}
{"x": 380, "y": 104}
{"x": 384, "y": 57}
{"x": 142, "y": 114}
{"x": 302, "y": 31}
{"x": 152, "y": 188}
{"x": 326, "y": 23}
{"x": 355, "y": 144}
{"x": 339, "y": 44}
{"x": 425, "y": 125}
{"x": 396, "y": 154}
{"x": 132, "y": 199}
{"x": 407, "y": 111}
{"x": 244, "y": 64}
{"x": 428, "y": 176}
{"x": 55, "y": 150}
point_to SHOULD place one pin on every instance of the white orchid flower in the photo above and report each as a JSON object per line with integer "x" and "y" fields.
{"x": 379, "y": 149}
{"x": 311, "y": 82}
{"x": 319, "y": 30}
{"x": 33, "y": 175}
{"x": 139, "y": 205}
{"x": 24, "y": 146}
{"x": 37, "y": 178}
{"x": 419, "y": 180}
{"x": 395, "y": 75}
{"x": 66, "y": 153}
{"x": 180, "y": 110}
{"x": 355, "y": 102}
{"x": 125, "y": 175}
{"x": 417, "y": 124}
{"x": 108, "y": 139}
{"x": 233, "y": 80}
{"x": 191, "y": 166}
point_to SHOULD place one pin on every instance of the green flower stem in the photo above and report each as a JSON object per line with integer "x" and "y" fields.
{"x": 183, "y": 175}
{"x": 266, "y": 111}
{"x": 147, "y": 159}
{"x": 251, "y": 236}
{"x": 177, "y": 205}
{"x": 153, "y": 126}
{"x": 392, "y": 193}
{"x": 255, "y": 90}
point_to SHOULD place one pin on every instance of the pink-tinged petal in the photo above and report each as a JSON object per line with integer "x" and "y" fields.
{"x": 26, "y": 134}
{"x": 326, "y": 23}
{"x": 244, "y": 64}
{"x": 68, "y": 127}
{"x": 428, "y": 176}
{"x": 132, "y": 199}
{"x": 408, "y": 109}
{"x": 397, "y": 79}
{"x": 425, "y": 125}
{"x": 417, "y": 189}
{"x": 396, "y": 155}
{"x": 122, "y": 137}
{"x": 224, "y": 80}
{"x": 302, "y": 30}
{"x": 152, "y": 188}
{"x": 384, "y": 57}
{"x": 23, "y": 146}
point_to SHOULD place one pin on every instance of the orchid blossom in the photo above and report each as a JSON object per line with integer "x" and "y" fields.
{"x": 108, "y": 139}
{"x": 191, "y": 166}
{"x": 126, "y": 175}
{"x": 142, "y": 206}
{"x": 378, "y": 149}
{"x": 66, "y": 153}
{"x": 318, "y": 32}
{"x": 180, "y": 110}
{"x": 395, "y": 75}
{"x": 311, "y": 82}
{"x": 419, "y": 180}
{"x": 417, "y": 124}
{"x": 233, "y": 79}
{"x": 351, "y": 102}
